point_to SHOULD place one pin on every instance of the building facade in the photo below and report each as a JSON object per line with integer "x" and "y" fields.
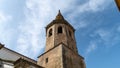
{"x": 12, "y": 59}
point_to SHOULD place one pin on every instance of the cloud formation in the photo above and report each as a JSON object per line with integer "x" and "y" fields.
{"x": 4, "y": 18}
{"x": 39, "y": 13}
{"x": 102, "y": 37}
{"x": 31, "y": 31}
{"x": 91, "y": 47}
{"x": 5, "y": 33}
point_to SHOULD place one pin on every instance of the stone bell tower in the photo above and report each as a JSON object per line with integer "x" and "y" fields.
{"x": 61, "y": 50}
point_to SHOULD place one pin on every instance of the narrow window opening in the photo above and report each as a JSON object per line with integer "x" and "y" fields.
{"x": 50, "y": 32}
{"x": 46, "y": 60}
{"x": 70, "y": 34}
{"x": 60, "y": 29}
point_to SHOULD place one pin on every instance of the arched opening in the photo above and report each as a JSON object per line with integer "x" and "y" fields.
{"x": 50, "y": 32}
{"x": 59, "y": 29}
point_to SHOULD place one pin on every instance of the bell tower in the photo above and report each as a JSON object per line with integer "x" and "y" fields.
{"x": 60, "y": 31}
{"x": 60, "y": 50}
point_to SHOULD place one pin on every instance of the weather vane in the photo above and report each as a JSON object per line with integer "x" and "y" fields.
{"x": 118, "y": 4}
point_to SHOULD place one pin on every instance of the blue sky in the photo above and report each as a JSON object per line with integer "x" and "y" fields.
{"x": 97, "y": 24}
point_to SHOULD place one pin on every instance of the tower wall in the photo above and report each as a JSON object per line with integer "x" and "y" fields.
{"x": 61, "y": 57}
{"x": 71, "y": 39}
{"x": 60, "y": 37}
{"x": 50, "y": 39}
{"x": 67, "y": 37}
{"x": 54, "y": 58}
{"x": 71, "y": 59}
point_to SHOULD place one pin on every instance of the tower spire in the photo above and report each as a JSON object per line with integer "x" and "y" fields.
{"x": 59, "y": 12}
{"x": 59, "y": 16}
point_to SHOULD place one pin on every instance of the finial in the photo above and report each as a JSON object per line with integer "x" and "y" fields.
{"x": 59, "y": 11}
{"x": 59, "y": 16}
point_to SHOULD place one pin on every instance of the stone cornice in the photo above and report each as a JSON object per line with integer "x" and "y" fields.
{"x": 57, "y": 46}
{"x": 59, "y": 22}
{"x": 26, "y": 61}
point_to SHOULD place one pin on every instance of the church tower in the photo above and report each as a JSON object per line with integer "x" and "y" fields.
{"x": 61, "y": 50}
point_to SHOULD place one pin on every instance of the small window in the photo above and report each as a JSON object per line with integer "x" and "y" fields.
{"x": 70, "y": 34}
{"x": 59, "y": 29}
{"x": 50, "y": 32}
{"x": 46, "y": 60}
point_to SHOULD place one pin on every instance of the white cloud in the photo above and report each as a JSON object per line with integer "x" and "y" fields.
{"x": 92, "y": 46}
{"x": 38, "y": 14}
{"x": 4, "y": 18}
{"x": 102, "y": 37}
{"x": 89, "y": 6}
{"x": 98, "y": 5}
{"x": 108, "y": 37}
{"x": 104, "y": 34}
{"x": 98, "y": 37}
{"x": 81, "y": 25}
{"x": 5, "y": 33}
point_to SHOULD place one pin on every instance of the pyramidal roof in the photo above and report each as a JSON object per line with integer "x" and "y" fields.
{"x": 59, "y": 20}
{"x": 59, "y": 16}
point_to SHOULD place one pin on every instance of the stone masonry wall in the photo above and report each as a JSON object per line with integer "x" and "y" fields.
{"x": 50, "y": 40}
{"x": 51, "y": 59}
{"x": 71, "y": 59}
